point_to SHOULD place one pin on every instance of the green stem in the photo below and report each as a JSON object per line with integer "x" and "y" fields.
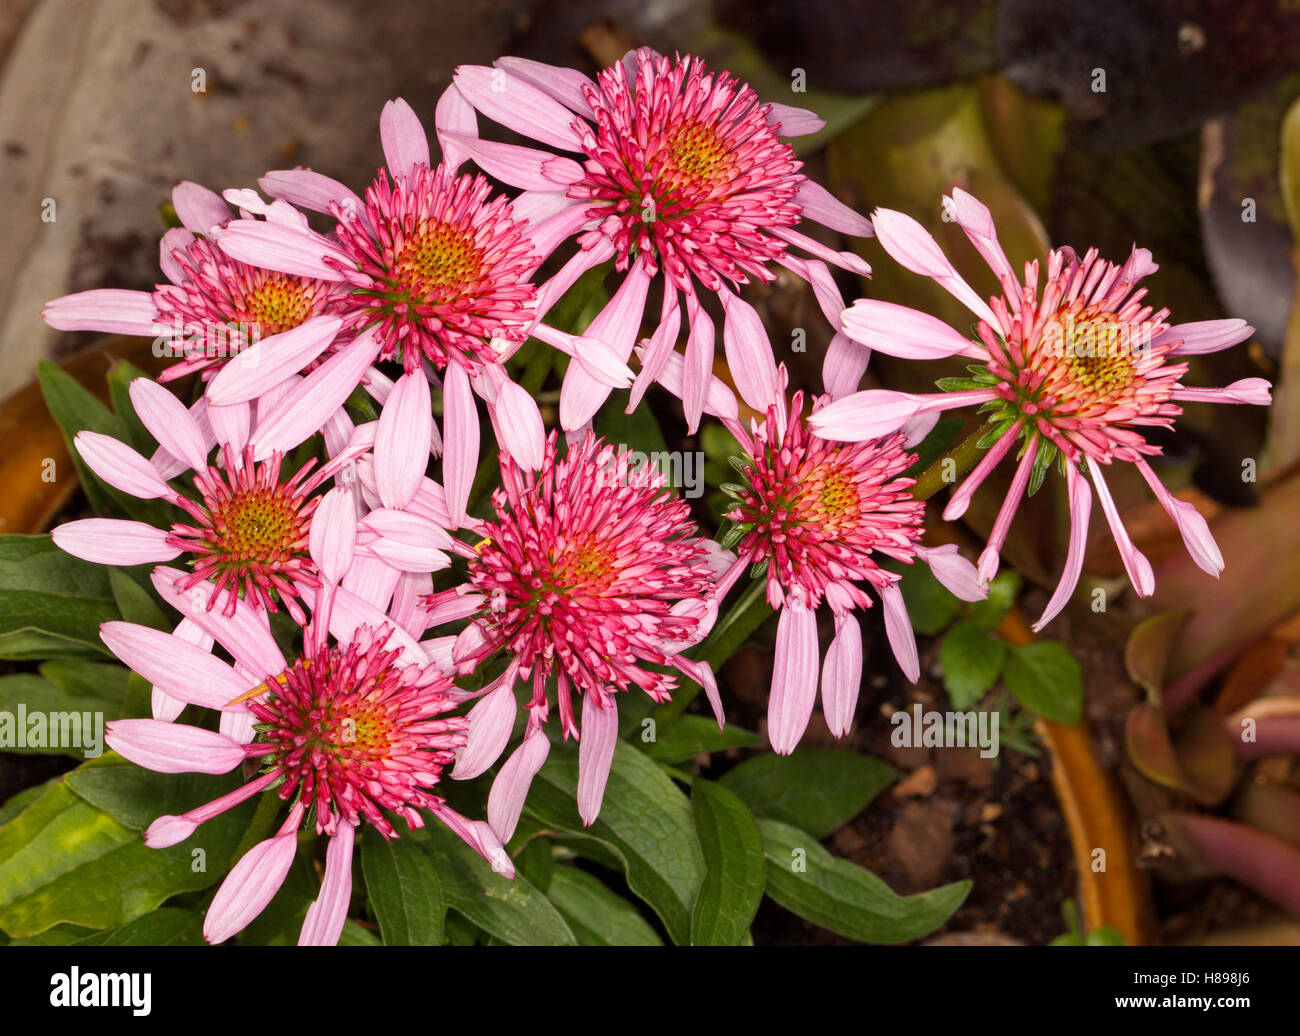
{"x": 965, "y": 455}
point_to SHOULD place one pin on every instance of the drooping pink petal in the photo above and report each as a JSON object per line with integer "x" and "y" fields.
{"x": 1253, "y": 391}
{"x": 454, "y": 114}
{"x": 563, "y": 84}
{"x": 820, "y": 206}
{"x": 173, "y": 747}
{"x": 333, "y": 534}
{"x": 1204, "y": 336}
{"x": 402, "y": 441}
{"x": 844, "y": 365}
{"x": 1080, "y": 510}
{"x": 230, "y": 424}
{"x": 524, "y": 167}
{"x": 794, "y": 122}
{"x": 961, "y": 497}
{"x": 952, "y": 570}
{"x": 307, "y": 189}
{"x": 697, "y": 366}
{"x": 510, "y": 788}
{"x": 518, "y": 105}
{"x": 1135, "y": 562}
{"x": 749, "y": 353}
{"x": 461, "y": 431}
{"x": 325, "y": 917}
{"x": 490, "y": 723}
{"x": 182, "y": 669}
{"x": 198, "y": 208}
{"x": 719, "y": 401}
{"x": 702, "y": 674}
{"x": 842, "y": 675}
{"x": 278, "y": 247}
{"x": 519, "y": 425}
{"x": 251, "y": 884}
{"x": 245, "y": 633}
{"x": 120, "y": 466}
{"x": 595, "y": 754}
{"x": 403, "y": 139}
{"x": 169, "y": 421}
{"x": 1192, "y": 525}
{"x": 898, "y": 630}
{"x": 270, "y": 360}
{"x": 862, "y": 416}
{"x": 110, "y": 310}
{"x": 794, "y": 676}
{"x": 907, "y": 333}
{"x": 112, "y": 541}
{"x": 988, "y": 562}
{"x": 617, "y": 325}
{"x": 976, "y": 221}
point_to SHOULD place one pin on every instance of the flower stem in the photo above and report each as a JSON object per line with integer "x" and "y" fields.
{"x": 965, "y": 455}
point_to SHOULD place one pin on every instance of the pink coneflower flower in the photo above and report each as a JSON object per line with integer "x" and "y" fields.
{"x": 1073, "y": 374}
{"x": 816, "y": 517}
{"x": 592, "y": 570}
{"x": 436, "y": 272}
{"x": 216, "y": 312}
{"x": 683, "y": 173}
{"x": 247, "y": 534}
{"x": 345, "y": 732}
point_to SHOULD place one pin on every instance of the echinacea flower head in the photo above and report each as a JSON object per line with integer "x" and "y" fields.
{"x": 679, "y": 171}
{"x": 1072, "y": 372}
{"x": 351, "y": 731}
{"x": 816, "y": 518}
{"x": 591, "y": 571}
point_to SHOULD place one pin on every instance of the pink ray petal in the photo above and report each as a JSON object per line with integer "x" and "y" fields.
{"x": 198, "y": 208}
{"x": 403, "y": 139}
{"x": 251, "y": 884}
{"x": 461, "y": 433}
{"x": 112, "y": 541}
{"x": 245, "y": 633}
{"x": 173, "y": 747}
{"x": 820, "y": 206}
{"x": 595, "y": 754}
{"x": 518, "y": 105}
{"x": 490, "y": 722}
{"x": 170, "y": 422}
{"x": 1080, "y": 510}
{"x": 794, "y": 676}
{"x": 898, "y": 630}
{"x": 120, "y": 466}
{"x": 510, "y": 788}
{"x": 325, "y": 917}
{"x": 749, "y": 353}
{"x": 272, "y": 359}
{"x": 402, "y": 441}
{"x": 907, "y": 333}
{"x": 111, "y": 310}
{"x": 842, "y": 675}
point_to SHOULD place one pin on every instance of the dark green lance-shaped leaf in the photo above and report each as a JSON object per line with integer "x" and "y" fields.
{"x": 645, "y": 823}
{"x": 36, "y": 716}
{"x": 636, "y": 431}
{"x": 734, "y": 872}
{"x": 135, "y": 602}
{"x": 403, "y": 890}
{"x": 816, "y": 788}
{"x": 510, "y": 910}
{"x": 108, "y": 681}
{"x": 688, "y": 736}
{"x": 66, "y": 858}
{"x": 354, "y": 935}
{"x": 929, "y": 604}
{"x": 845, "y": 898}
{"x": 51, "y": 604}
{"x": 1045, "y": 679}
{"x": 971, "y": 659}
{"x": 598, "y": 916}
{"x": 167, "y": 926}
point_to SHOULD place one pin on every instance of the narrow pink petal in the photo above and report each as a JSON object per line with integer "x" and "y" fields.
{"x": 655, "y": 351}
{"x": 165, "y": 706}
{"x": 976, "y": 221}
{"x": 562, "y": 84}
{"x": 842, "y": 675}
{"x": 333, "y": 534}
{"x": 1080, "y": 510}
{"x": 182, "y": 669}
{"x": 455, "y": 115}
{"x": 820, "y": 206}
{"x": 461, "y": 432}
{"x": 246, "y": 633}
{"x": 173, "y": 747}
{"x": 912, "y": 246}
{"x": 408, "y": 609}
{"x": 547, "y": 235}
{"x": 407, "y": 558}
{"x": 595, "y": 754}
{"x": 519, "y": 425}
{"x": 749, "y": 353}
{"x": 198, "y": 208}
{"x": 794, "y": 122}
{"x": 957, "y": 574}
{"x": 518, "y": 105}
{"x": 230, "y": 424}
{"x": 702, "y": 674}
{"x": 490, "y": 722}
{"x": 120, "y": 466}
{"x": 168, "y": 831}
{"x": 510, "y": 788}
{"x": 617, "y": 325}
{"x": 1253, "y": 391}
{"x": 310, "y": 190}
{"x": 899, "y": 331}
{"x": 403, "y": 139}
{"x": 1204, "y": 336}
{"x": 402, "y": 441}
{"x": 373, "y": 581}
{"x": 272, "y": 359}
{"x": 720, "y": 400}
{"x": 325, "y": 917}
{"x": 1135, "y": 562}
{"x": 170, "y": 422}
{"x": 311, "y": 402}
{"x": 598, "y": 360}
{"x": 110, "y": 310}
{"x": 111, "y": 541}
{"x": 918, "y": 426}
{"x": 278, "y": 247}
{"x": 251, "y": 884}
{"x": 519, "y": 166}
{"x": 845, "y": 260}
{"x": 698, "y": 364}
{"x": 405, "y": 527}
{"x": 794, "y": 676}
{"x": 1192, "y": 525}
{"x": 350, "y": 612}
{"x": 988, "y": 562}
{"x": 961, "y": 497}
{"x": 898, "y": 630}
{"x": 239, "y": 724}
{"x": 861, "y": 416}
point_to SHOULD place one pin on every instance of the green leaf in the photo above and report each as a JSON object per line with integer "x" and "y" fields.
{"x": 819, "y": 789}
{"x": 51, "y": 604}
{"x": 403, "y": 890}
{"x": 930, "y": 605}
{"x": 167, "y": 926}
{"x": 688, "y": 736}
{"x": 734, "y": 867}
{"x": 636, "y": 431}
{"x": 1046, "y": 679}
{"x": 513, "y": 911}
{"x": 645, "y": 823}
{"x": 135, "y": 434}
{"x": 105, "y": 680}
{"x": 36, "y": 716}
{"x": 354, "y": 935}
{"x": 971, "y": 660}
{"x": 19, "y": 802}
{"x": 845, "y": 898}
{"x": 66, "y": 859}
{"x": 931, "y": 448}
{"x": 1004, "y": 588}
{"x": 135, "y": 603}
{"x": 598, "y": 916}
